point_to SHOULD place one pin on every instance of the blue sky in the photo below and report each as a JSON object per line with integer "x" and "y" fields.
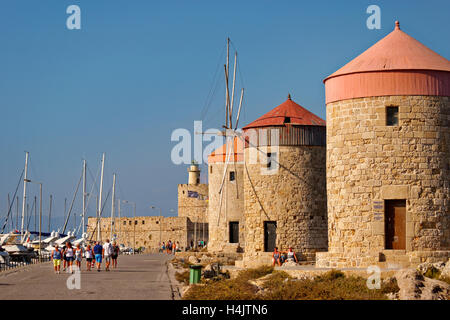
{"x": 137, "y": 70}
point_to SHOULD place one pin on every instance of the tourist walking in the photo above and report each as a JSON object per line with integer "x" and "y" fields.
{"x": 163, "y": 247}
{"x": 78, "y": 256}
{"x": 107, "y": 253}
{"x": 174, "y": 247}
{"x": 169, "y": 247}
{"x": 69, "y": 256}
{"x": 63, "y": 250}
{"x": 56, "y": 258}
{"x": 89, "y": 254}
{"x": 115, "y": 254}
{"x": 98, "y": 252}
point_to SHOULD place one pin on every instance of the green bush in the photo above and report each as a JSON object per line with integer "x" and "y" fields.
{"x": 433, "y": 273}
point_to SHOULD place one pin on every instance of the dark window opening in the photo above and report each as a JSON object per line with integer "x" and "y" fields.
{"x": 234, "y": 232}
{"x": 124, "y": 223}
{"x": 143, "y": 222}
{"x": 135, "y": 222}
{"x": 270, "y": 235}
{"x": 287, "y": 119}
{"x": 270, "y": 160}
{"x": 210, "y": 169}
{"x": 232, "y": 176}
{"x": 198, "y": 180}
{"x": 392, "y": 116}
{"x": 130, "y": 223}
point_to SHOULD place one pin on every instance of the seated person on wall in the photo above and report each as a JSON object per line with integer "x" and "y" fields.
{"x": 276, "y": 257}
{"x": 291, "y": 256}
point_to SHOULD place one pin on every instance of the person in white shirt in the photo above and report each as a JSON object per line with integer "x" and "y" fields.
{"x": 107, "y": 253}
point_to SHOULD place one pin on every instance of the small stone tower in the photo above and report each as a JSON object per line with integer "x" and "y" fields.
{"x": 193, "y": 199}
{"x": 194, "y": 174}
{"x": 226, "y": 201}
{"x": 388, "y": 156}
{"x": 285, "y": 184}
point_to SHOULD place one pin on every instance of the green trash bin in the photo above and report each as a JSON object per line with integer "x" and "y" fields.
{"x": 195, "y": 274}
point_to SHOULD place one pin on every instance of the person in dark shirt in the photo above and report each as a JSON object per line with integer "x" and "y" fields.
{"x": 98, "y": 252}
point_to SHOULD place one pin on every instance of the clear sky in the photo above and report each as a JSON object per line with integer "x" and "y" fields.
{"x": 137, "y": 70}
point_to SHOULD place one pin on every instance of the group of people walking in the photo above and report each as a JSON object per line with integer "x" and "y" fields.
{"x": 94, "y": 255}
{"x": 170, "y": 247}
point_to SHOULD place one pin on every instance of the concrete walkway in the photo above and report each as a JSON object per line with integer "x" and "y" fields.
{"x": 138, "y": 277}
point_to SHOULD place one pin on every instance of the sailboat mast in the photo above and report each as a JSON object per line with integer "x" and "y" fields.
{"x": 24, "y": 194}
{"x": 84, "y": 197}
{"x": 50, "y": 212}
{"x": 112, "y": 205}
{"x": 100, "y": 199}
{"x": 227, "y": 92}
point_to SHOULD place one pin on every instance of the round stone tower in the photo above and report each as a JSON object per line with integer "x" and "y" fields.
{"x": 388, "y": 156}
{"x": 226, "y": 198}
{"x": 285, "y": 184}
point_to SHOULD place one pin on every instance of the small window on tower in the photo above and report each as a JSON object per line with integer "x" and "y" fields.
{"x": 232, "y": 176}
{"x": 392, "y": 116}
{"x": 287, "y": 119}
{"x": 124, "y": 223}
{"x": 210, "y": 169}
{"x": 143, "y": 221}
{"x": 198, "y": 180}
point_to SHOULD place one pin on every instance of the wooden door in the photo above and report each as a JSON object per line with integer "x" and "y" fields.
{"x": 270, "y": 235}
{"x": 395, "y": 224}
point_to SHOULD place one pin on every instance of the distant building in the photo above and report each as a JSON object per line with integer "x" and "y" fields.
{"x": 149, "y": 231}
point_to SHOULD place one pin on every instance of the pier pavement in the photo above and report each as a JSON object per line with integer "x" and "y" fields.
{"x": 137, "y": 277}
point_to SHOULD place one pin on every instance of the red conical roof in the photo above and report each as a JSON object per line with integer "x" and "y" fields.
{"x": 396, "y": 51}
{"x": 289, "y": 109}
{"x": 220, "y": 154}
{"x": 398, "y": 64}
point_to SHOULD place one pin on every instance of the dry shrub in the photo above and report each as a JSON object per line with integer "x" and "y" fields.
{"x": 333, "y": 285}
{"x": 229, "y": 289}
{"x": 182, "y": 277}
{"x": 390, "y": 286}
{"x": 445, "y": 279}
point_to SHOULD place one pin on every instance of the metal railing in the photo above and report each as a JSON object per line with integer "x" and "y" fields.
{"x": 17, "y": 263}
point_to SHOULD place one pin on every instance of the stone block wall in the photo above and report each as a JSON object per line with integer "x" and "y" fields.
{"x": 231, "y": 208}
{"x": 369, "y": 162}
{"x": 193, "y": 208}
{"x": 294, "y": 197}
{"x": 148, "y": 232}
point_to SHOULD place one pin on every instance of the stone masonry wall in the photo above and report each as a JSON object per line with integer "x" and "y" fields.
{"x": 193, "y": 208}
{"x": 148, "y": 231}
{"x": 231, "y": 209}
{"x": 369, "y": 162}
{"x": 294, "y": 197}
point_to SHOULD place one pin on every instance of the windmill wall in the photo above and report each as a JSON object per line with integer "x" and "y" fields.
{"x": 231, "y": 210}
{"x": 294, "y": 197}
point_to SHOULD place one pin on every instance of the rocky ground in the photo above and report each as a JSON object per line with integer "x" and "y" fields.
{"x": 430, "y": 281}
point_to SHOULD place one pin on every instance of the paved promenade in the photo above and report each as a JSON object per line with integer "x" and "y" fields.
{"x": 136, "y": 277}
